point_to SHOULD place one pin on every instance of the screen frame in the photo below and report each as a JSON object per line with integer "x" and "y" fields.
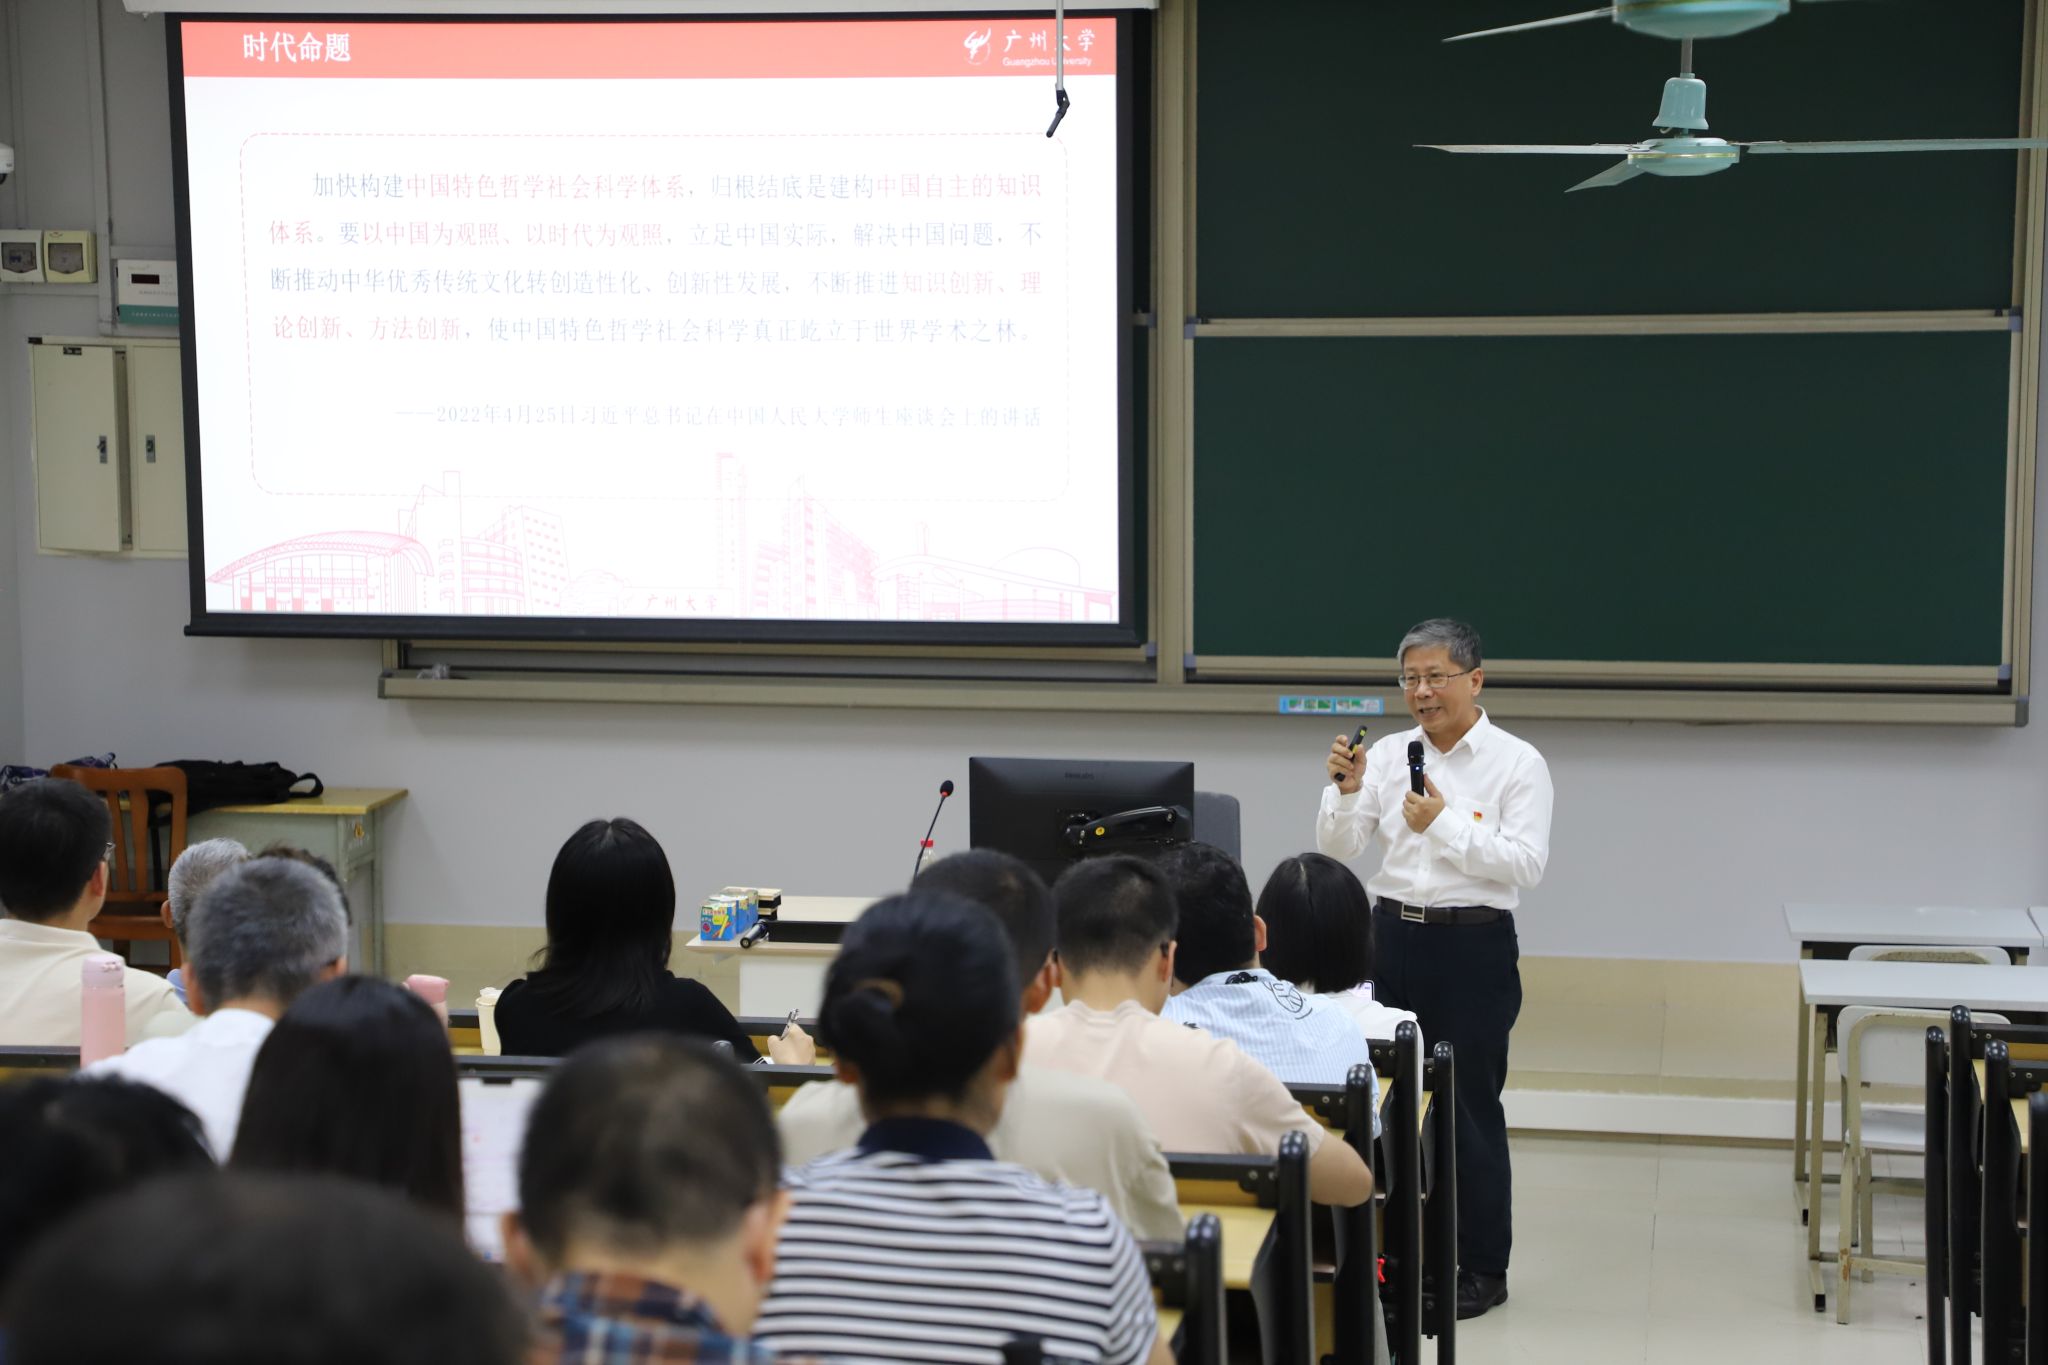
{"x": 1135, "y": 313}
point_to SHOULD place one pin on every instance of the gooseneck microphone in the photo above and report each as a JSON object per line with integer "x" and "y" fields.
{"x": 1415, "y": 766}
{"x": 945, "y": 790}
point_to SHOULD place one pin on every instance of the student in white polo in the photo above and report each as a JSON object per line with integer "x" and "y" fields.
{"x": 260, "y": 936}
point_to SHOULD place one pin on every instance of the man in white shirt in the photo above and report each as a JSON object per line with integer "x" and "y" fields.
{"x": 1220, "y": 988}
{"x": 55, "y": 840}
{"x": 1069, "y": 1128}
{"x": 1117, "y": 921}
{"x": 260, "y": 936}
{"x": 1455, "y": 857}
{"x": 191, "y": 873}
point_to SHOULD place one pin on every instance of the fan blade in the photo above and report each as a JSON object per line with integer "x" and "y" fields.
{"x": 1928, "y": 144}
{"x": 1561, "y": 20}
{"x": 1613, "y": 175}
{"x": 1533, "y": 148}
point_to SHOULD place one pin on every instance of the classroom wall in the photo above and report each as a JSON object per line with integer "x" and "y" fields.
{"x": 1670, "y": 842}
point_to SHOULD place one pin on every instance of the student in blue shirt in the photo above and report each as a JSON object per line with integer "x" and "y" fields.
{"x": 1220, "y": 987}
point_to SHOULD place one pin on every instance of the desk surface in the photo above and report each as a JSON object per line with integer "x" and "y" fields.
{"x": 2006, "y": 926}
{"x": 334, "y": 801}
{"x": 2019, "y": 1106}
{"x": 1244, "y": 1232}
{"x": 1923, "y": 985}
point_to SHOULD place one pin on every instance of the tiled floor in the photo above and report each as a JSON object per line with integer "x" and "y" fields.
{"x": 1629, "y": 1253}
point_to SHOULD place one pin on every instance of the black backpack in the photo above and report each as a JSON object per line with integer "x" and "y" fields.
{"x": 210, "y": 783}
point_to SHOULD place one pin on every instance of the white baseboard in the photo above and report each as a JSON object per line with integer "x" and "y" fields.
{"x": 1699, "y": 1116}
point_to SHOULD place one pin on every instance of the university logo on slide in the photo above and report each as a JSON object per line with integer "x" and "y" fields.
{"x": 977, "y": 45}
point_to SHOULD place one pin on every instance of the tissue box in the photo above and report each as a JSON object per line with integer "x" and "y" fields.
{"x": 727, "y": 917}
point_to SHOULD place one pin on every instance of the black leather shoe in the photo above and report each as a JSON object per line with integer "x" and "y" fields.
{"x": 1477, "y": 1293}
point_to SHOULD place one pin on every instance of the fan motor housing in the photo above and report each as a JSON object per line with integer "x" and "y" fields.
{"x": 1684, "y": 156}
{"x": 1678, "y": 19}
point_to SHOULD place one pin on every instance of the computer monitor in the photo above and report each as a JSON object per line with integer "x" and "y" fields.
{"x": 1051, "y": 812}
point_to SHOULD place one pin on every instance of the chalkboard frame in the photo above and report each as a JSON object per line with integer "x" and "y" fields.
{"x": 2007, "y": 679}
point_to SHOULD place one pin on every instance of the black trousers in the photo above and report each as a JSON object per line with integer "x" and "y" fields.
{"x": 1464, "y": 983}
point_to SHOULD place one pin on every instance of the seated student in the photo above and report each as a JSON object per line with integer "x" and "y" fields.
{"x": 222, "y": 1269}
{"x": 1220, "y": 987}
{"x": 69, "y": 1141}
{"x": 261, "y": 935}
{"x": 1319, "y": 937}
{"x": 357, "y": 1079}
{"x": 918, "y": 1244}
{"x": 1117, "y": 921}
{"x": 611, "y": 913}
{"x": 649, "y": 1203}
{"x": 1070, "y": 1129}
{"x": 293, "y": 853}
{"x": 191, "y": 873}
{"x": 55, "y": 842}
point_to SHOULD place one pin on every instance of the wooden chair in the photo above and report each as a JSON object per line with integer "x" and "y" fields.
{"x": 2001, "y": 1237}
{"x": 1268, "y": 1192}
{"x": 1188, "y": 1277}
{"x": 1955, "y": 1213}
{"x": 134, "y": 911}
{"x": 2037, "y": 1217}
{"x": 1347, "y": 1284}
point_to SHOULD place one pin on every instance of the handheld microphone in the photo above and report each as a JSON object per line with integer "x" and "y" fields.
{"x": 1357, "y": 743}
{"x": 1415, "y": 766}
{"x": 945, "y": 790}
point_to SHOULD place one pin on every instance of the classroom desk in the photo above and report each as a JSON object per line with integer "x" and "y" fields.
{"x": 1830, "y": 931}
{"x": 1169, "y": 1326}
{"x": 1825, "y": 986}
{"x": 778, "y": 976}
{"x": 1245, "y": 1228}
{"x": 344, "y": 825}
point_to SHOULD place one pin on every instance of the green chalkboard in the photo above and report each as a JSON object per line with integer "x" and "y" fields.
{"x": 1312, "y": 200}
{"x": 1816, "y": 499}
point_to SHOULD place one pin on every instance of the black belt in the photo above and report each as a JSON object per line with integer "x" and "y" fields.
{"x": 1441, "y": 914}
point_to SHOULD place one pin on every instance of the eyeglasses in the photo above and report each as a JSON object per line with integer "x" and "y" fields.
{"x": 1410, "y": 681}
{"x": 109, "y": 855}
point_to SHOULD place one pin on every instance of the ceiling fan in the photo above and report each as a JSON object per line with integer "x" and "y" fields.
{"x": 1677, "y": 151}
{"x": 1664, "y": 18}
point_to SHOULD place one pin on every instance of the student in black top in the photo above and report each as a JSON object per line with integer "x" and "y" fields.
{"x": 611, "y": 914}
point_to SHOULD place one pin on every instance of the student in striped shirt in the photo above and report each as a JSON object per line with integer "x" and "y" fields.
{"x": 917, "y": 1245}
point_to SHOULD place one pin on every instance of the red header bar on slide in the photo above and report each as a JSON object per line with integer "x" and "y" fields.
{"x": 340, "y": 49}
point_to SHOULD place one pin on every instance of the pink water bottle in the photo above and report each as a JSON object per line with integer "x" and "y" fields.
{"x": 433, "y": 990}
{"x": 103, "y": 1008}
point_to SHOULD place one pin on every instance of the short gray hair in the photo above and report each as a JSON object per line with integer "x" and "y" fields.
{"x": 1455, "y": 638}
{"x": 193, "y": 871}
{"x": 266, "y": 929}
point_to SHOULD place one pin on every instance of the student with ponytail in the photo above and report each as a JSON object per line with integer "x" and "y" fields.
{"x": 917, "y": 1243}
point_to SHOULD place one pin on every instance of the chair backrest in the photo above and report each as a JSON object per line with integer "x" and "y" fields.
{"x": 1282, "y": 1274}
{"x": 1931, "y": 952}
{"x": 1217, "y": 822}
{"x": 1885, "y": 1046}
{"x": 1188, "y": 1276}
{"x": 135, "y": 885}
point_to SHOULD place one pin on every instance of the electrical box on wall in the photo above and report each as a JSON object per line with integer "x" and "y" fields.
{"x": 146, "y": 292}
{"x": 21, "y": 256}
{"x": 68, "y": 257}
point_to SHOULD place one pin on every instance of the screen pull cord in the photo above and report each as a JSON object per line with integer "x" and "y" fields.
{"x": 1059, "y": 68}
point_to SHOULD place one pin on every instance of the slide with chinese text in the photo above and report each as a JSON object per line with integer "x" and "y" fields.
{"x": 749, "y": 321}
